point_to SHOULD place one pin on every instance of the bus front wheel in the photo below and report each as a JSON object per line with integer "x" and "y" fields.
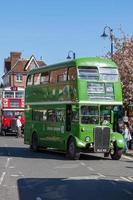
{"x": 34, "y": 145}
{"x": 116, "y": 154}
{"x": 72, "y": 151}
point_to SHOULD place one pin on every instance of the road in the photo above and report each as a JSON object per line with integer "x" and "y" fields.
{"x": 45, "y": 175}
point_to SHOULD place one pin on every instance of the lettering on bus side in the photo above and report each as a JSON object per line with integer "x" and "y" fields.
{"x": 61, "y": 129}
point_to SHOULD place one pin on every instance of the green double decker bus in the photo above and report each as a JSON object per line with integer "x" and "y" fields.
{"x": 74, "y": 106}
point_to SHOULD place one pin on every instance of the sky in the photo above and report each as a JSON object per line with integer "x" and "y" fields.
{"x": 48, "y": 29}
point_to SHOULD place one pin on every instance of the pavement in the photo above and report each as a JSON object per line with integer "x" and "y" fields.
{"x": 129, "y": 153}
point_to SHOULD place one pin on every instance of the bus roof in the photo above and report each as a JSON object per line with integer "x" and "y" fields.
{"x": 87, "y": 61}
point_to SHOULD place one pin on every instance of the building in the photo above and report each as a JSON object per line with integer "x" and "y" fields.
{"x": 16, "y": 69}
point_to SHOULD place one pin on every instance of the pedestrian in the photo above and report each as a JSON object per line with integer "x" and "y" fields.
{"x": 19, "y": 125}
{"x": 127, "y": 136}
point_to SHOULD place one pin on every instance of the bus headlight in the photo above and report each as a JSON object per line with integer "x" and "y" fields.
{"x": 87, "y": 139}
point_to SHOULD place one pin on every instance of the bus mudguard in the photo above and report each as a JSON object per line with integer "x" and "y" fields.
{"x": 118, "y": 138}
{"x": 80, "y": 143}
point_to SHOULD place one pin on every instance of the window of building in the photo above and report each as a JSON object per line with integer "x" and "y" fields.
{"x": 19, "y": 77}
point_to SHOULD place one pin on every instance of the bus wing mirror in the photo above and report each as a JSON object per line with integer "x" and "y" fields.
{"x": 112, "y": 116}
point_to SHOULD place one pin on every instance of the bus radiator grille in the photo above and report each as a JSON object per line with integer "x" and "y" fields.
{"x": 101, "y": 139}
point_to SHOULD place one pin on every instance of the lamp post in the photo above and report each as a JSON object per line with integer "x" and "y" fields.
{"x": 73, "y": 55}
{"x": 110, "y": 37}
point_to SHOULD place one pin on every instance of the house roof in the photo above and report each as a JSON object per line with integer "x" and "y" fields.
{"x": 22, "y": 65}
{"x": 33, "y": 59}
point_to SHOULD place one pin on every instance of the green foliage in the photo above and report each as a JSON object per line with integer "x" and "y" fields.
{"x": 124, "y": 59}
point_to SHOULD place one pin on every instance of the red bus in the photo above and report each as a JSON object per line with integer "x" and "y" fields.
{"x": 12, "y": 105}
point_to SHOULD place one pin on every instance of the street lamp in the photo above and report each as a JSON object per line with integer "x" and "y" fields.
{"x": 110, "y": 37}
{"x": 73, "y": 55}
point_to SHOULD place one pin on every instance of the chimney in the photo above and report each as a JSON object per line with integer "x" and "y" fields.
{"x": 14, "y": 56}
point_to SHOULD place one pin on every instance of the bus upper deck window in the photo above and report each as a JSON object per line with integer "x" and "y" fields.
{"x": 53, "y": 76}
{"x": 36, "y": 79}
{"x": 58, "y": 75}
{"x": 72, "y": 73}
{"x": 88, "y": 73}
{"x": 44, "y": 78}
{"x": 108, "y": 74}
{"x": 62, "y": 75}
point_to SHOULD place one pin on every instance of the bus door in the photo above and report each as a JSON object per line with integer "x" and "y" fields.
{"x": 54, "y": 134}
{"x": 72, "y": 119}
{"x": 75, "y": 121}
{"x": 68, "y": 117}
{"x": 59, "y": 127}
{"x": 51, "y": 131}
{"x": 62, "y": 126}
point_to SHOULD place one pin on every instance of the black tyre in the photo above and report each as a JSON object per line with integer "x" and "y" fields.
{"x": 34, "y": 145}
{"x": 116, "y": 154}
{"x": 106, "y": 154}
{"x": 72, "y": 151}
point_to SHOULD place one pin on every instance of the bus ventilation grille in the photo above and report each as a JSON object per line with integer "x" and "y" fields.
{"x": 101, "y": 139}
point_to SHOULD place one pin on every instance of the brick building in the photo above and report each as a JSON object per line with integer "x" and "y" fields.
{"x": 16, "y": 69}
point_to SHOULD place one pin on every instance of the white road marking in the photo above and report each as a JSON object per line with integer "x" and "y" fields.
{"x": 7, "y": 162}
{"x": 82, "y": 163}
{"x": 101, "y": 175}
{"x": 127, "y": 157}
{"x": 2, "y": 177}
{"x": 15, "y": 175}
{"x": 116, "y": 179}
{"x": 11, "y": 167}
{"x": 130, "y": 178}
{"x": 125, "y": 179}
{"x": 90, "y": 168}
{"x": 66, "y": 166}
{"x": 81, "y": 178}
{"x": 4, "y": 173}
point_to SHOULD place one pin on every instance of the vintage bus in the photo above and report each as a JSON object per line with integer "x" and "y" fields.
{"x": 73, "y": 106}
{"x": 12, "y": 105}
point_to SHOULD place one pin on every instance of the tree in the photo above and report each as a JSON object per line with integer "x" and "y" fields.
{"x": 124, "y": 59}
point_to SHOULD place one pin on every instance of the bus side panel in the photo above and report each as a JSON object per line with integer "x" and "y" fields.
{"x": 117, "y": 91}
{"x": 28, "y": 126}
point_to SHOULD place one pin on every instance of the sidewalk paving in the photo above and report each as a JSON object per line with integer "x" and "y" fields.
{"x": 129, "y": 153}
